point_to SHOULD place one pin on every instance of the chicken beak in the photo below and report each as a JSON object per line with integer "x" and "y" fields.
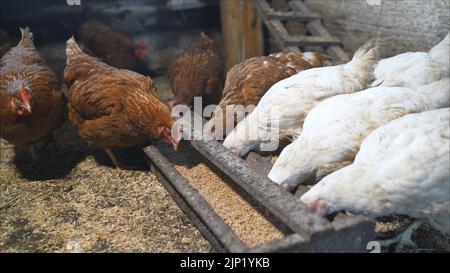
{"x": 171, "y": 104}
{"x": 27, "y": 107}
{"x": 175, "y": 146}
{"x": 175, "y": 143}
{"x": 24, "y": 108}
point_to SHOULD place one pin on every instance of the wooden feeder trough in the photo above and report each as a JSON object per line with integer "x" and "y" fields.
{"x": 301, "y": 230}
{"x": 282, "y": 222}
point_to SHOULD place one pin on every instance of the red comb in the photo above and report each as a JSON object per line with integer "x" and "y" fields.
{"x": 23, "y": 94}
{"x": 143, "y": 45}
{"x": 141, "y": 50}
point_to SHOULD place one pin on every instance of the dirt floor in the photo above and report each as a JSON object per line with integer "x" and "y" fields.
{"x": 73, "y": 200}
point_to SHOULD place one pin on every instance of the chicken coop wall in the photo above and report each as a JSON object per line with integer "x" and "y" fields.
{"x": 411, "y": 25}
{"x": 167, "y": 27}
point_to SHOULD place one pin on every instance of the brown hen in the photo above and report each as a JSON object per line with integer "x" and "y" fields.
{"x": 111, "y": 45}
{"x": 32, "y": 105}
{"x": 249, "y": 80}
{"x": 113, "y": 107}
{"x": 198, "y": 71}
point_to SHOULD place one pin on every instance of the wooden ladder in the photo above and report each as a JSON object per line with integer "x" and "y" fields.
{"x": 299, "y": 12}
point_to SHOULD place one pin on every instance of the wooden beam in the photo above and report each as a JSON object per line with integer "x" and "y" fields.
{"x": 305, "y": 40}
{"x": 241, "y": 31}
{"x": 316, "y": 28}
{"x": 278, "y": 31}
{"x": 292, "y": 16}
{"x": 253, "y": 36}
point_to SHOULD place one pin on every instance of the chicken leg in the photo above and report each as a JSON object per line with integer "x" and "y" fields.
{"x": 404, "y": 238}
{"x": 114, "y": 159}
{"x": 34, "y": 154}
{"x": 49, "y": 140}
{"x": 116, "y": 162}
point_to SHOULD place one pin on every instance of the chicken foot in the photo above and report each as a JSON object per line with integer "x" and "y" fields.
{"x": 404, "y": 238}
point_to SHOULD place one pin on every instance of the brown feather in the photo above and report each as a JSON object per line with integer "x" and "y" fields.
{"x": 111, "y": 45}
{"x": 112, "y": 107}
{"x": 198, "y": 71}
{"x": 247, "y": 82}
{"x": 49, "y": 111}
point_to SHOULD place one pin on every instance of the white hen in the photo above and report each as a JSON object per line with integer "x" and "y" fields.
{"x": 402, "y": 168}
{"x": 287, "y": 103}
{"x": 414, "y": 68}
{"x": 334, "y": 129}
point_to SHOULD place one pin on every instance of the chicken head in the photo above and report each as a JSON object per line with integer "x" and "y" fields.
{"x": 20, "y": 97}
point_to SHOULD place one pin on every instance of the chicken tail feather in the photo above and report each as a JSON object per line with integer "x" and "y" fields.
{"x": 72, "y": 48}
{"x": 27, "y": 37}
{"x": 367, "y": 52}
{"x": 363, "y": 62}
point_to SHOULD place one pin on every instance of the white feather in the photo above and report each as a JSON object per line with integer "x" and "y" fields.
{"x": 401, "y": 168}
{"x": 414, "y": 68}
{"x": 334, "y": 129}
{"x": 288, "y": 101}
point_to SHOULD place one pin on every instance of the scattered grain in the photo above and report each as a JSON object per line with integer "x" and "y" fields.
{"x": 244, "y": 216}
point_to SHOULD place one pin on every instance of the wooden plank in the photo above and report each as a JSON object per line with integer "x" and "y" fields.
{"x": 211, "y": 225}
{"x": 252, "y": 32}
{"x": 241, "y": 31}
{"x": 230, "y": 19}
{"x": 316, "y": 28}
{"x": 262, "y": 6}
{"x": 288, "y": 244}
{"x": 351, "y": 234}
{"x": 294, "y": 49}
{"x": 311, "y": 41}
{"x": 337, "y": 53}
{"x": 277, "y": 30}
{"x": 291, "y": 16}
{"x": 300, "y": 6}
{"x": 279, "y": 33}
{"x": 286, "y": 42}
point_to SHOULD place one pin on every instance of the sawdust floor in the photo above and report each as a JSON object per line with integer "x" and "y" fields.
{"x": 73, "y": 200}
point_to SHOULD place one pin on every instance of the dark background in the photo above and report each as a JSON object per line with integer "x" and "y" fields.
{"x": 166, "y": 26}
